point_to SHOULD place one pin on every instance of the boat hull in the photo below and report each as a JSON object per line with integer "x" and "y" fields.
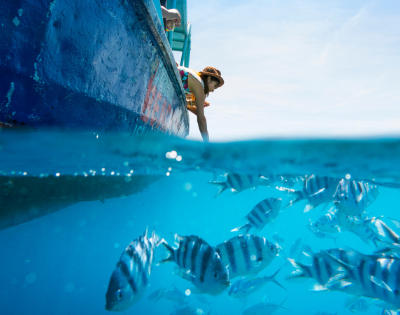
{"x": 72, "y": 65}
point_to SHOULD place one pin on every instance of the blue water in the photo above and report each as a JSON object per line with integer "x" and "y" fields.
{"x": 61, "y": 263}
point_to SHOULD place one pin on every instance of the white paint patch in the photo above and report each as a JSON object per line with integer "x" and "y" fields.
{"x": 36, "y": 77}
{"x": 20, "y": 12}
{"x": 16, "y": 21}
{"x": 51, "y": 8}
{"x": 10, "y": 93}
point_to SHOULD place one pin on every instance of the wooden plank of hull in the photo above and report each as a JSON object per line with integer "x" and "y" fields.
{"x": 88, "y": 66}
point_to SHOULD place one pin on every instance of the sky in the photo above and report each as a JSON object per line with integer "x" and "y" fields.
{"x": 303, "y": 69}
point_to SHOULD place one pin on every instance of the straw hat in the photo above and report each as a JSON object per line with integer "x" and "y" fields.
{"x": 214, "y": 72}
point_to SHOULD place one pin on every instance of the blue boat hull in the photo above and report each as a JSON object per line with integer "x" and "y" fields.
{"x": 88, "y": 66}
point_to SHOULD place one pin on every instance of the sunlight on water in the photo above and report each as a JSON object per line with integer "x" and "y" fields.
{"x": 73, "y": 206}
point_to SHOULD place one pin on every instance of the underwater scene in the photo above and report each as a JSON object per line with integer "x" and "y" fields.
{"x": 96, "y": 223}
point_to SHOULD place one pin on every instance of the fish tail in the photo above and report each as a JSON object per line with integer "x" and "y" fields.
{"x": 247, "y": 226}
{"x": 292, "y": 193}
{"x": 282, "y": 305}
{"x": 170, "y": 251}
{"x": 223, "y": 188}
{"x": 300, "y": 274}
{"x": 274, "y": 280}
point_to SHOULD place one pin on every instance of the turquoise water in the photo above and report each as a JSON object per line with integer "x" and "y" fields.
{"x": 61, "y": 263}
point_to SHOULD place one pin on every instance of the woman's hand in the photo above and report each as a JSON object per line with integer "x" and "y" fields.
{"x": 206, "y": 104}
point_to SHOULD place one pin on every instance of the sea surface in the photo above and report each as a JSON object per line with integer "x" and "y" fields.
{"x": 80, "y": 199}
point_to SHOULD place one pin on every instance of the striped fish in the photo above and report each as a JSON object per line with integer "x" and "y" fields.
{"x": 263, "y": 213}
{"x": 130, "y": 278}
{"x": 352, "y": 197}
{"x": 318, "y": 233}
{"x": 361, "y": 305}
{"x": 329, "y": 222}
{"x": 317, "y": 190}
{"x": 240, "y": 182}
{"x": 320, "y": 269}
{"x": 199, "y": 263}
{"x": 246, "y": 254}
{"x": 360, "y": 227}
{"x": 374, "y": 277}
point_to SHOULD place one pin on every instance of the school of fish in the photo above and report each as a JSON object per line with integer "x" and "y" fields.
{"x": 369, "y": 280}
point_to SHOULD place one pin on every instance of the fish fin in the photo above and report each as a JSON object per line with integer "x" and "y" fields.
{"x": 178, "y": 238}
{"x": 211, "y": 307}
{"x": 155, "y": 296}
{"x": 350, "y": 300}
{"x": 246, "y": 226}
{"x": 395, "y": 222}
{"x": 380, "y": 282}
{"x": 319, "y": 288}
{"x": 274, "y": 280}
{"x": 233, "y": 191}
{"x": 386, "y": 231}
{"x": 282, "y": 306}
{"x": 308, "y": 207}
{"x": 336, "y": 261}
{"x": 223, "y": 188}
{"x": 299, "y": 275}
{"x": 170, "y": 251}
{"x": 185, "y": 275}
{"x": 244, "y": 301}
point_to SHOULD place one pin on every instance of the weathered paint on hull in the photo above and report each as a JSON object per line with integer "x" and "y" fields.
{"x": 88, "y": 66}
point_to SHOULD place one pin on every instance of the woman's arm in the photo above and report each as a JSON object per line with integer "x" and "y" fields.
{"x": 198, "y": 91}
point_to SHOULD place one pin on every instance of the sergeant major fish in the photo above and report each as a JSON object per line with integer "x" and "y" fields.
{"x": 263, "y": 213}
{"x": 240, "y": 182}
{"x": 317, "y": 190}
{"x": 320, "y": 269}
{"x": 246, "y": 254}
{"x": 130, "y": 278}
{"x": 199, "y": 263}
{"x": 352, "y": 197}
{"x": 374, "y": 277}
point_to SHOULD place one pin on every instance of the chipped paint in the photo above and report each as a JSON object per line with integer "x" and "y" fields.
{"x": 36, "y": 77}
{"x": 10, "y": 93}
{"x": 20, "y": 12}
{"x": 51, "y": 8}
{"x": 16, "y": 21}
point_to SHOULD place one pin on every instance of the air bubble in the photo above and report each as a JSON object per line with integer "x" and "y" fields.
{"x": 69, "y": 287}
{"x": 31, "y": 278}
{"x": 187, "y": 292}
{"x": 173, "y": 155}
{"x": 116, "y": 245}
{"x": 179, "y": 158}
